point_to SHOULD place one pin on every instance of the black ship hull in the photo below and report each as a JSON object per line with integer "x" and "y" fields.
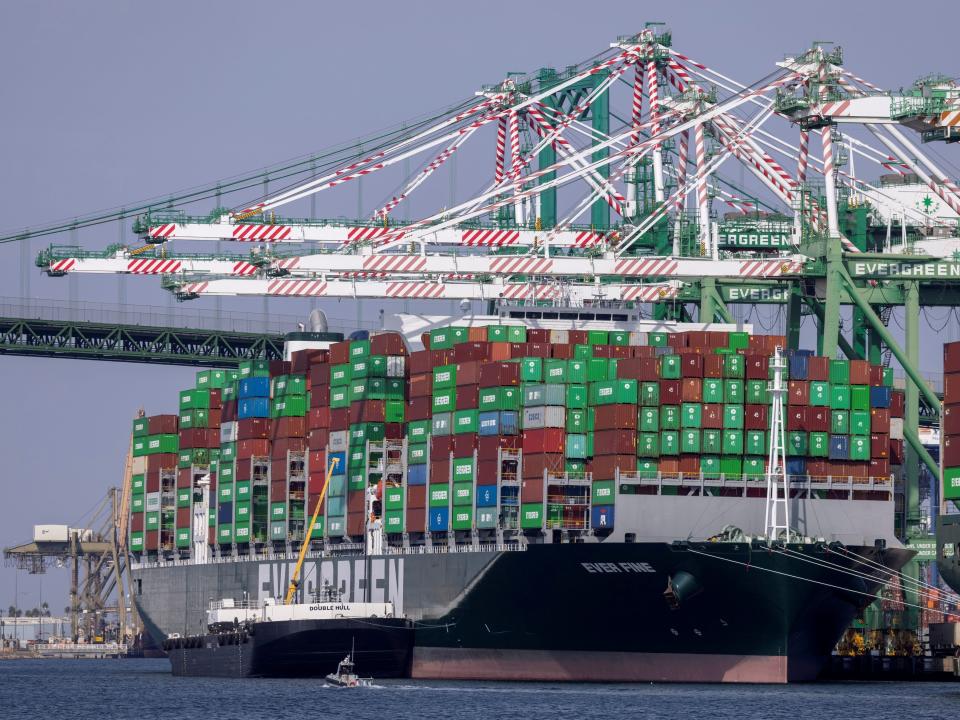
{"x": 382, "y": 648}
{"x": 741, "y": 612}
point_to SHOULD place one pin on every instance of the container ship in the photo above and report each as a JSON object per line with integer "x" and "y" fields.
{"x": 544, "y": 495}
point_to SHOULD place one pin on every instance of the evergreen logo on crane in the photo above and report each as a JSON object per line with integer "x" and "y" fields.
{"x": 928, "y": 205}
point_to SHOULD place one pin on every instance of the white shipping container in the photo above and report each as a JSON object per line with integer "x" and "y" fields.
{"x": 638, "y": 338}
{"x": 50, "y": 533}
{"x": 228, "y": 432}
{"x": 338, "y": 441}
{"x": 396, "y": 366}
{"x": 153, "y": 502}
{"x": 896, "y": 428}
{"x": 560, "y": 337}
{"x": 139, "y": 465}
{"x": 544, "y": 416}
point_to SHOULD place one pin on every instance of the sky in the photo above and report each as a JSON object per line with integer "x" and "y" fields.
{"x": 109, "y": 103}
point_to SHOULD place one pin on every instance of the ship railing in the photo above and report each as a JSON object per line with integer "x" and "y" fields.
{"x": 236, "y": 605}
{"x": 796, "y": 482}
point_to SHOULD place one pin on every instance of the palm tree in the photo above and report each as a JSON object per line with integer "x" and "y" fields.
{"x": 11, "y": 611}
{"x": 44, "y": 609}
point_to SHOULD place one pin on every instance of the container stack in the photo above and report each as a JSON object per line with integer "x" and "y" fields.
{"x": 493, "y": 429}
{"x": 950, "y": 454}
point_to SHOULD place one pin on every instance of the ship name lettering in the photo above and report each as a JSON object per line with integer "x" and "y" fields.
{"x": 626, "y": 567}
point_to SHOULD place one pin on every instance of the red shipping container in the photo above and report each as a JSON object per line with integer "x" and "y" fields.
{"x": 214, "y": 417}
{"x": 356, "y": 523}
{"x": 535, "y": 464}
{"x": 691, "y": 365}
{"x": 280, "y": 367}
{"x": 312, "y": 501}
{"x": 416, "y": 519}
{"x": 498, "y": 351}
{"x": 643, "y": 369}
{"x": 898, "y": 403}
{"x": 228, "y": 411}
{"x": 418, "y": 408}
{"x": 477, "y": 334}
{"x": 670, "y": 392}
{"x": 470, "y": 352}
{"x": 317, "y": 462}
{"x": 545, "y": 440}
{"x": 183, "y": 517}
{"x": 538, "y": 335}
{"x": 951, "y": 451}
{"x": 420, "y": 385}
{"x": 151, "y": 540}
{"x": 253, "y": 428}
{"x": 439, "y": 471}
{"x": 242, "y": 471}
{"x": 340, "y": 418}
{"x": 602, "y": 351}
{"x": 136, "y": 522}
{"x": 518, "y": 350}
{"x": 613, "y": 417}
{"x": 184, "y": 477}
{"x": 578, "y": 337}
{"x": 697, "y": 339}
{"x": 690, "y": 464}
{"x": 818, "y": 368}
{"x": 278, "y": 489}
{"x": 643, "y": 351}
{"x": 712, "y": 416}
{"x": 614, "y": 442}
{"x": 420, "y": 362}
{"x": 319, "y": 374}
{"x": 278, "y": 472}
{"x": 755, "y": 366}
{"x": 441, "y": 446}
{"x": 879, "y": 445}
{"x": 796, "y": 418}
{"x": 387, "y": 343}
{"x": 816, "y": 468}
{"x": 876, "y": 375}
{"x": 319, "y": 396}
{"x": 487, "y": 471}
{"x": 798, "y": 392}
{"x": 339, "y": 353}
{"x": 464, "y": 445}
{"x": 252, "y": 448}
{"x": 162, "y": 424}
{"x": 367, "y": 411}
{"x": 355, "y": 501}
{"x": 951, "y": 357}
{"x": 152, "y": 481}
{"x": 669, "y": 465}
{"x": 289, "y": 427}
{"x": 416, "y": 496}
{"x": 713, "y": 366}
{"x": 541, "y": 350}
{"x": 859, "y": 372}
{"x": 951, "y": 387}
{"x": 896, "y": 452}
{"x": 755, "y": 417}
{"x": 467, "y": 397}
{"x": 604, "y": 467}
{"x": 487, "y": 445}
{"x": 562, "y": 351}
{"x": 282, "y": 446}
{"x": 531, "y": 490}
{"x": 951, "y": 419}
{"x": 193, "y": 438}
{"x": 468, "y": 373}
{"x": 817, "y": 419}
{"x": 318, "y": 418}
{"x": 215, "y": 396}
{"x": 677, "y": 340}
{"x": 879, "y": 468}
{"x": 162, "y": 461}
{"x": 880, "y": 420}
{"x": 691, "y": 390}
{"x": 441, "y": 357}
{"x": 499, "y": 374}
{"x": 319, "y": 439}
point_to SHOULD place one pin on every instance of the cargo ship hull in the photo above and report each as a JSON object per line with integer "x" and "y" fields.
{"x": 382, "y": 648}
{"x": 584, "y": 612}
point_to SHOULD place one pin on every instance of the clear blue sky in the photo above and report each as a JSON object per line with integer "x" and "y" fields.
{"x": 114, "y": 102}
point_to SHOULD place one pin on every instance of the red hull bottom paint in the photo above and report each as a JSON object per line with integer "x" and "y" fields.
{"x": 568, "y": 665}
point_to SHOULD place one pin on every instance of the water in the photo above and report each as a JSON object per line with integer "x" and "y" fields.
{"x": 144, "y": 690}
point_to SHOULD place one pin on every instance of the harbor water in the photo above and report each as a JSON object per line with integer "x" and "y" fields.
{"x": 145, "y": 689}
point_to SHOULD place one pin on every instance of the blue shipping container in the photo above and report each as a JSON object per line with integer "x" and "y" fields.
{"x": 417, "y": 474}
{"x": 341, "y": 465}
{"x": 439, "y": 519}
{"x": 839, "y": 447}
{"x": 601, "y": 517}
{"x": 255, "y": 387}
{"x": 486, "y": 496}
{"x": 796, "y": 466}
{"x": 225, "y": 513}
{"x": 503, "y": 422}
{"x": 798, "y": 367}
{"x": 255, "y": 407}
{"x": 879, "y": 397}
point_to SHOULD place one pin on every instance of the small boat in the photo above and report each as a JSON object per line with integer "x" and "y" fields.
{"x": 345, "y": 677}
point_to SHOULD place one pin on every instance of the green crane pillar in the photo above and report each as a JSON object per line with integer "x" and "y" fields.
{"x": 830, "y": 327}
{"x": 600, "y": 120}
{"x": 545, "y": 158}
{"x": 911, "y": 419}
{"x": 794, "y": 316}
{"x": 708, "y": 304}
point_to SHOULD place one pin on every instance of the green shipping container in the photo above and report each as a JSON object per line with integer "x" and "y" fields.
{"x": 576, "y": 371}
{"x": 710, "y": 465}
{"x": 136, "y": 541}
{"x": 444, "y": 377}
{"x": 650, "y": 394}
{"x": 140, "y": 427}
{"x": 393, "y": 411}
{"x": 340, "y": 375}
{"x": 228, "y": 452}
{"x": 733, "y": 366}
{"x": 733, "y": 417}
{"x": 278, "y": 511}
{"x": 291, "y": 385}
{"x": 555, "y": 372}
{"x": 289, "y": 406}
{"x": 754, "y": 442}
{"x": 137, "y": 484}
{"x": 373, "y": 366}
{"x": 367, "y": 389}
{"x": 137, "y": 503}
{"x": 395, "y": 389}
{"x": 860, "y": 397}
{"x": 618, "y": 337}
{"x": 225, "y": 493}
{"x": 597, "y": 370}
{"x": 182, "y": 537}
{"x": 669, "y": 442}
{"x": 531, "y": 516}
{"x": 755, "y": 392}
{"x": 439, "y": 496}
{"x": 463, "y": 470}
{"x": 648, "y": 445}
{"x": 417, "y": 454}
{"x": 152, "y": 521}
{"x": 463, "y": 493}
{"x": 670, "y": 367}
{"x": 190, "y": 419}
{"x": 754, "y": 466}
{"x": 393, "y": 521}
{"x": 598, "y": 337}
{"x": 531, "y": 370}
{"x": 576, "y": 396}
{"x": 159, "y": 444}
{"x": 254, "y": 368}
{"x": 462, "y": 518}
{"x": 443, "y": 401}
{"x": 647, "y": 468}
{"x": 497, "y": 333}
{"x": 732, "y": 443}
{"x": 840, "y": 397}
{"x": 657, "y": 339}
{"x": 576, "y": 421}
{"x": 184, "y": 497}
{"x": 418, "y": 431}
{"x": 193, "y": 399}
{"x": 603, "y": 492}
{"x": 690, "y": 441}
{"x": 859, "y": 447}
{"x": 225, "y": 533}
{"x": 621, "y": 392}
{"x": 339, "y": 397}
{"x": 818, "y": 444}
{"x": 738, "y": 340}
{"x": 731, "y": 466}
{"x": 360, "y": 433}
{"x": 242, "y": 491}
{"x": 500, "y": 398}
{"x": 733, "y": 392}
{"x": 712, "y": 390}
{"x": 840, "y": 422}
{"x": 796, "y": 443}
{"x": 648, "y": 419}
{"x": 393, "y": 498}
{"x": 819, "y": 393}
{"x": 669, "y": 417}
{"x": 951, "y": 483}
{"x": 466, "y": 421}
{"x": 839, "y": 372}
{"x": 859, "y": 423}
{"x": 582, "y": 352}
{"x": 359, "y": 349}
{"x": 712, "y": 442}
{"x": 691, "y": 415}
